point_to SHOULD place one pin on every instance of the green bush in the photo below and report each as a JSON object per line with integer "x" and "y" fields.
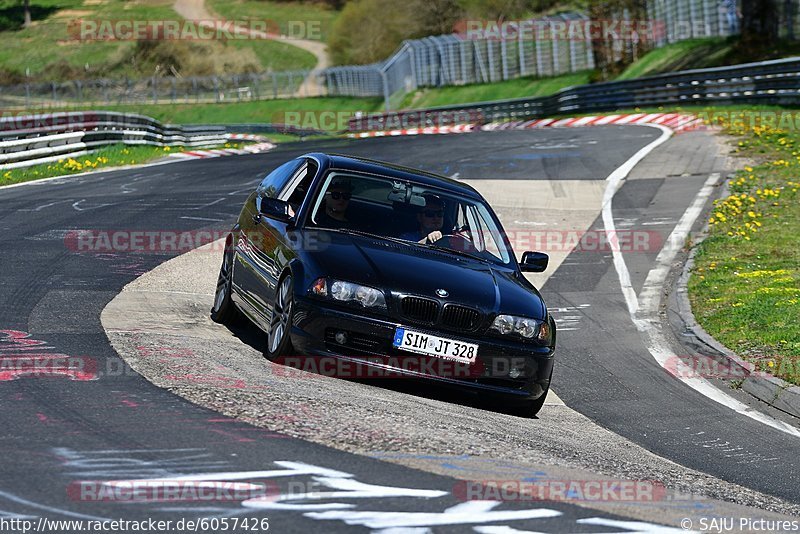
{"x": 370, "y": 30}
{"x": 190, "y": 58}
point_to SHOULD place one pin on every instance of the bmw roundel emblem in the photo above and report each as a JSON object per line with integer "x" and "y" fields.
{"x": 442, "y": 293}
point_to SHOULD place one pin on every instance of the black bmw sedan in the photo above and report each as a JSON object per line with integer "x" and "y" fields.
{"x": 389, "y": 269}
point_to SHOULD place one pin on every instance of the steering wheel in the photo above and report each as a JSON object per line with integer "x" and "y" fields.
{"x": 455, "y": 242}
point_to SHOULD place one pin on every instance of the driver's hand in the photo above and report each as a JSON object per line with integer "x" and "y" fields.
{"x": 434, "y": 236}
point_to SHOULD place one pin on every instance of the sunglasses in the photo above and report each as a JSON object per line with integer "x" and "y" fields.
{"x": 433, "y": 213}
{"x": 336, "y": 195}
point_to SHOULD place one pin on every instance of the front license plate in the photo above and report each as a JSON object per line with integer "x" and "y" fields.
{"x": 441, "y": 347}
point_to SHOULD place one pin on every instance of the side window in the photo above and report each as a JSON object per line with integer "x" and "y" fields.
{"x": 489, "y": 244}
{"x": 295, "y": 190}
{"x": 277, "y": 179}
{"x": 461, "y": 218}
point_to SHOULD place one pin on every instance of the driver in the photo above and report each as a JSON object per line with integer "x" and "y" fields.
{"x": 337, "y": 198}
{"x": 430, "y": 219}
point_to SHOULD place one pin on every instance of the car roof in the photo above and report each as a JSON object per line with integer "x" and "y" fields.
{"x": 359, "y": 164}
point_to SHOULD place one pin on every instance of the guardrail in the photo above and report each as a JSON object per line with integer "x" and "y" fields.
{"x": 769, "y": 82}
{"x": 33, "y": 139}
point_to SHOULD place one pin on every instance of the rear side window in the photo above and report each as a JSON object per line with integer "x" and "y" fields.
{"x": 277, "y": 179}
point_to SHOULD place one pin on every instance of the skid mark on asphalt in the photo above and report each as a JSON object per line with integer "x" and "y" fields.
{"x": 21, "y": 356}
{"x": 739, "y": 454}
{"x": 77, "y": 206}
{"x": 58, "y": 234}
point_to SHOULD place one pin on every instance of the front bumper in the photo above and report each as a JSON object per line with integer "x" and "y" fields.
{"x": 506, "y": 367}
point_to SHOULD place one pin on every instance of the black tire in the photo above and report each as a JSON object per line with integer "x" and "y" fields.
{"x": 278, "y": 341}
{"x": 531, "y": 408}
{"x": 224, "y": 310}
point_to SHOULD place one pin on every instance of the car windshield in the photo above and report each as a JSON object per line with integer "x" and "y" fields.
{"x": 411, "y": 212}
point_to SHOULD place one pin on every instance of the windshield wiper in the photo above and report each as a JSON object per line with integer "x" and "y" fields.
{"x": 454, "y": 251}
{"x": 410, "y": 243}
{"x": 368, "y": 234}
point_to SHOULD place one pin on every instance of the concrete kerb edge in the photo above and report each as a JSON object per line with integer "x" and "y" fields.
{"x": 767, "y": 388}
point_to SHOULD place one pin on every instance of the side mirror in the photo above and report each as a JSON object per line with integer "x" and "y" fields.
{"x": 275, "y": 209}
{"x": 534, "y": 262}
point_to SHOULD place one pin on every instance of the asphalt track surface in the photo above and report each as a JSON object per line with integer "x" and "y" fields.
{"x": 57, "y": 431}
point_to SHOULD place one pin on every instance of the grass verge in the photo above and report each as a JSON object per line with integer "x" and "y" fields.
{"x": 689, "y": 54}
{"x": 315, "y": 113}
{"x": 745, "y": 284}
{"x": 516, "y": 88}
{"x": 706, "y": 53}
{"x": 110, "y": 156}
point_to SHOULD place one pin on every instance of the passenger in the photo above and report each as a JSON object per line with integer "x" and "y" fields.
{"x": 430, "y": 219}
{"x": 337, "y": 198}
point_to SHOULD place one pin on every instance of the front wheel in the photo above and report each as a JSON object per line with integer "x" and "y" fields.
{"x": 278, "y": 342}
{"x": 224, "y": 310}
{"x": 531, "y": 408}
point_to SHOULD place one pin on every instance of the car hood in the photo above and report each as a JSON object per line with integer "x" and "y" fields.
{"x": 410, "y": 269}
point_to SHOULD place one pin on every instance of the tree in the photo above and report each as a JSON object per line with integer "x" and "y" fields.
{"x": 434, "y": 17}
{"x": 368, "y": 31}
{"x": 26, "y": 8}
{"x": 760, "y": 19}
{"x": 613, "y": 52}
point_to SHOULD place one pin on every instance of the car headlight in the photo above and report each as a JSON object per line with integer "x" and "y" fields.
{"x": 525, "y": 327}
{"x": 342, "y": 291}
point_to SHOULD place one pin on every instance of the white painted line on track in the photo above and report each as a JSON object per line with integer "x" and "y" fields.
{"x": 644, "y": 309}
{"x": 615, "y": 180}
{"x": 646, "y": 317}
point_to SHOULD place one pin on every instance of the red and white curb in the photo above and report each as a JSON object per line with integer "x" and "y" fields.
{"x": 216, "y": 153}
{"x": 428, "y": 130}
{"x": 675, "y": 121}
{"x": 246, "y": 137}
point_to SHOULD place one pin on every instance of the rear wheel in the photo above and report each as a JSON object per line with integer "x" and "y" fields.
{"x": 278, "y": 342}
{"x": 224, "y": 311}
